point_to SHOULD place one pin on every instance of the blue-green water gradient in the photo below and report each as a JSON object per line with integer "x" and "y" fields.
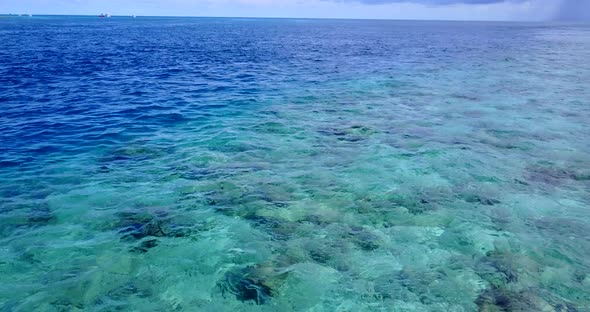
{"x": 188, "y": 164}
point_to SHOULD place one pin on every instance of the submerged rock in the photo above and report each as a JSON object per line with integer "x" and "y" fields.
{"x": 134, "y": 152}
{"x": 497, "y": 268}
{"x": 580, "y": 276}
{"x": 414, "y": 205}
{"x": 567, "y": 227}
{"x": 328, "y": 252}
{"x": 141, "y": 230}
{"x": 138, "y": 226}
{"x": 360, "y": 130}
{"x": 418, "y": 199}
{"x": 277, "y": 194}
{"x": 236, "y": 201}
{"x": 319, "y": 251}
{"x": 420, "y": 282}
{"x": 467, "y": 97}
{"x": 65, "y": 304}
{"x": 127, "y": 290}
{"x": 320, "y": 255}
{"x": 135, "y": 226}
{"x": 479, "y": 199}
{"x": 194, "y": 173}
{"x": 497, "y": 299}
{"x": 501, "y": 217}
{"x": 233, "y": 146}
{"x": 520, "y": 182}
{"x": 278, "y": 229}
{"x": 364, "y": 238}
{"x": 273, "y": 127}
{"x": 41, "y": 215}
{"x": 316, "y": 220}
{"x": 247, "y": 284}
{"x": 225, "y": 195}
{"x": 14, "y": 216}
{"x": 146, "y": 227}
{"x": 353, "y": 133}
{"x": 145, "y": 246}
{"x": 555, "y": 175}
{"x": 389, "y": 287}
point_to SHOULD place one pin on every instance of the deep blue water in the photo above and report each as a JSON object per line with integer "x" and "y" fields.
{"x": 215, "y": 164}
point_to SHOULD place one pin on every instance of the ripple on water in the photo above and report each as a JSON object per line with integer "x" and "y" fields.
{"x": 292, "y": 165}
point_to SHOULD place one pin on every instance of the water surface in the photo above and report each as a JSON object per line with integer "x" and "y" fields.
{"x": 201, "y": 164}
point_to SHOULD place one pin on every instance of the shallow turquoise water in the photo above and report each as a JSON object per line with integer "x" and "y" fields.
{"x": 293, "y": 165}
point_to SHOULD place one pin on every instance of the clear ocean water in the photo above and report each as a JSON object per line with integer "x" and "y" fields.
{"x": 205, "y": 164}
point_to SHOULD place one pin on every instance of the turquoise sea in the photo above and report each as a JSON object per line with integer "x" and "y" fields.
{"x": 231, "y": 164}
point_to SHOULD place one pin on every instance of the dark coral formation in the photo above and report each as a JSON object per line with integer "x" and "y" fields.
{"x": 233, "y": 200}
{"x": 482, "y": 200}
{"x": 353, "y": 133}
{"x": 41, "y": 215}
{"x": 145, "y": 246}
{"x": 565, "y": 227}
{"x": 497, "y": 268}
{"x": 27, "y": 215}
{"x": 417, "y": 204}
{"x": 145, "y": 227}
{"x": 127, "y": 290}
{"x": 498, "y": 299}
{"x": 134, "y": 152}
{"x": 137, "y": 225}
{"x": 194, "y": 173}
{"x": 247, "y": 284}
{"x": 364, "y": 238}
{"x": 500, "y": 217}
{"x": 555, "y": 175}
{"x": 278, "y": 229}
{"x": 419, "y": 282}
{"x": 273, "y": 127}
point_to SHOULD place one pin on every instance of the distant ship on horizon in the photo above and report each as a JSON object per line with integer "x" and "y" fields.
{"x": 103, "y": 15}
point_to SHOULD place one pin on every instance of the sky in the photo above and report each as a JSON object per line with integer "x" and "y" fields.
{"x": 519, "y": 10}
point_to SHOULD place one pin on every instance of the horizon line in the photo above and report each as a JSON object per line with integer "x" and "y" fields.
{"x": 280, "y": 17}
